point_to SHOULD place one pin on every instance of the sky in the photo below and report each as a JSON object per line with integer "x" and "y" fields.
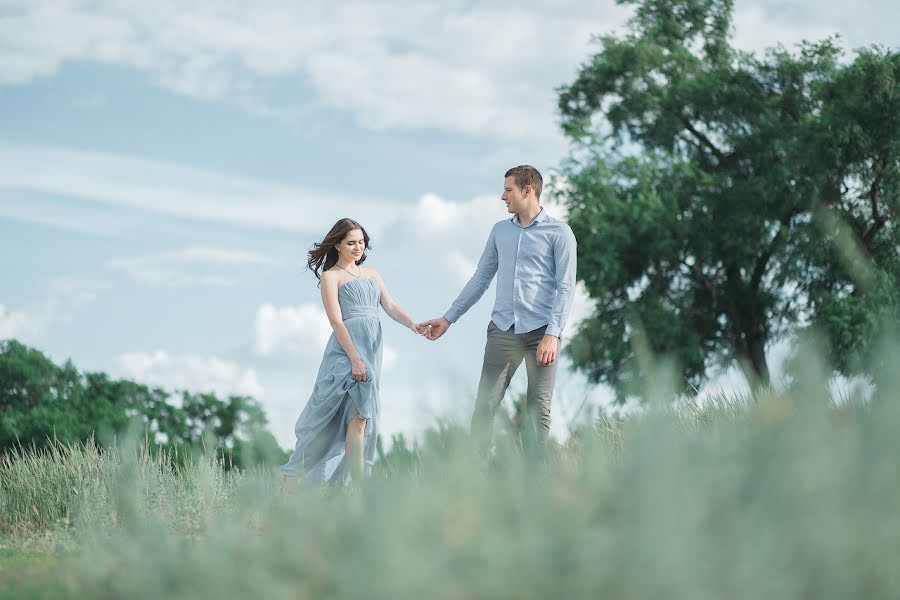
{"x": 165, "y": 166}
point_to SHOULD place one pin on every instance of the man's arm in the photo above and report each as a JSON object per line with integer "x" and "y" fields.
{"x": 479, "y": 282}
{"x": 474, "y": 290}
{"x": 565, "y": 256}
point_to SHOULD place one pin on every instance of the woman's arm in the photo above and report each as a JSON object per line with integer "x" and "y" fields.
{"x": 333, "y": 310}
{"x": 393, "y": 309}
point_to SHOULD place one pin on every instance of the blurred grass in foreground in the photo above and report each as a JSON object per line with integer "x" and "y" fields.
{"x": 782, "y": 495}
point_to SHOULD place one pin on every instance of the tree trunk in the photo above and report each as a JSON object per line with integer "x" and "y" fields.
{"x": 759, "y": 364}
{"x": 750, "y": 320}
{"x": 751, "y": 355}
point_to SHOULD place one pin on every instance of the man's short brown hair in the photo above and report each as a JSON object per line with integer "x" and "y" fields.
{"x": 527, "y": 175}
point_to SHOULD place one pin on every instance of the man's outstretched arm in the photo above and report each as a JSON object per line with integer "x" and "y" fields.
{"x": 471, "y": 293}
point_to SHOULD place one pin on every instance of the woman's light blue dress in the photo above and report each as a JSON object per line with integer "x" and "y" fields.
{"x": 336, "y": 398}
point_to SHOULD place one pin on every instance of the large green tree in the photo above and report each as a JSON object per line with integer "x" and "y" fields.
{"x": 721, "y": 199}
{"x": 41, "y": 402}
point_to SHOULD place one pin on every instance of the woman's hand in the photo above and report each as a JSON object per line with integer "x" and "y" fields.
{"x": 419, "y": 329}
{"x": 358, "y": 370}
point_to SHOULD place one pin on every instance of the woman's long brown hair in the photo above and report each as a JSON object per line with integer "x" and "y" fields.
{"x": 324, "y": 255}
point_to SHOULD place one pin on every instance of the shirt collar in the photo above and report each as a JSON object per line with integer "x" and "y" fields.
{"x": 540, "y": 218}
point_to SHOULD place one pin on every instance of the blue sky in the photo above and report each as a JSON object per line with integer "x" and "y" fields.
{"x": 165, "y": 166}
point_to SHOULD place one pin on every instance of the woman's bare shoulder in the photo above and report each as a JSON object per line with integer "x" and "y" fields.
{"x": 330, "y": 276}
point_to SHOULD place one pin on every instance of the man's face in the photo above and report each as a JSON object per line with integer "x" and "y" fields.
{"x": 513, "y": 196}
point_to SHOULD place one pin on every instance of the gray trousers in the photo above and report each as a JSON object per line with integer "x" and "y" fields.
{"x": 503, "y": 354}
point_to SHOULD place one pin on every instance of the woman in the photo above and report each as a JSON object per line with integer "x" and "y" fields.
{"x": 342, "y": 413}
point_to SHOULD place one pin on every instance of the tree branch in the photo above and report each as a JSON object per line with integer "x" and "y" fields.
{"x": 760, "y": 267}
{"x": 878, "y": 219}
{"x": 699, "y": 277}
{"x": 723, "y": 158}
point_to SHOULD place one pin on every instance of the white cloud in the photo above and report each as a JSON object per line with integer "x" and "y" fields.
{"x": 168, "y": 189}
{"x": 447, "y": 66}
{"x": 455, "y": 231}
{"x": 300, "y": 332}
{"x": 67, "y": 215}
{"x": 17, "y": 324}
{"x": 222, "y": 256}
{"x": 459, "y": 266}
{"x": 189, "y": 372}
{"x": 158, "y": 276}
{"x": 72, "y": 291}
{"x": 174, "y": 269}
{"x": 433, "y": 215}
{"x": 389, "y": 358}
{"x": 763, "y": 24}
{"x": 582, "y": 307}
{"x": 479, "y": 69}
{"x": 63, "y": 295}
{"x": 760, "y": 28}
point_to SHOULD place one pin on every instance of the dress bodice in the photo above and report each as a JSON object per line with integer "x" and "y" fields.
{"x": 359, "y": 298}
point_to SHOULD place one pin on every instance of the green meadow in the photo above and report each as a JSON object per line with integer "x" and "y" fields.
{"x": 782, "y": 494}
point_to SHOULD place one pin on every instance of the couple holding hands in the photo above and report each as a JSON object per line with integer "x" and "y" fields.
{"x": 533, "y": 257}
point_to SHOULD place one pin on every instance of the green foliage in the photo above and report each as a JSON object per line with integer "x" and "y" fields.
{"x": 42, "y": 405}
{"x": 855, "y": 253}
{"x": 722, "y": 199}
{"x": 39, "y": 399}
{"x": 770, "y": 496}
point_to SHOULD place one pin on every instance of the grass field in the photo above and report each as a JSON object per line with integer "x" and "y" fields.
{"x": 781, "y": 495}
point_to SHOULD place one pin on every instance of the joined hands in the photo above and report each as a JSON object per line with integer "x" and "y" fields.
{"x": 435, "y": 328}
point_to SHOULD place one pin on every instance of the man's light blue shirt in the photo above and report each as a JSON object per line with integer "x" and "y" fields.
{"x": 535, "y": 268}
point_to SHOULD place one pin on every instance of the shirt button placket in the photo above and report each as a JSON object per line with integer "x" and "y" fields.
{"x": 517, "y": 281}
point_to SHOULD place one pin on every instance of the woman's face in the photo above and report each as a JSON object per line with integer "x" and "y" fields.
{"x": 353, "y": 245}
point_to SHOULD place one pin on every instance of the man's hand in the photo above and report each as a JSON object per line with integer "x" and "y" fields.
{"x": 547, "y": 350}
{"x": 436, "y": 328}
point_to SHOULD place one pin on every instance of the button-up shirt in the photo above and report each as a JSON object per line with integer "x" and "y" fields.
{"x": 535, "y": 268}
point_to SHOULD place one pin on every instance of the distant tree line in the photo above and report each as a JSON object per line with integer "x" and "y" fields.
{"x": 42, "y": 403}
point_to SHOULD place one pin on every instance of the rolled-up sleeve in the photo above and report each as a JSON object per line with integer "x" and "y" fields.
{"x": 479, "y": 282}
{"x": 565, "y": 256}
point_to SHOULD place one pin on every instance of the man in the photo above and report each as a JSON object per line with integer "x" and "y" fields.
{"x": 533, "y": 256}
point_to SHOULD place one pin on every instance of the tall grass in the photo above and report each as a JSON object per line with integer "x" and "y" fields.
{"x": 65, "y": 483}
{"x": 781, "y": 495}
